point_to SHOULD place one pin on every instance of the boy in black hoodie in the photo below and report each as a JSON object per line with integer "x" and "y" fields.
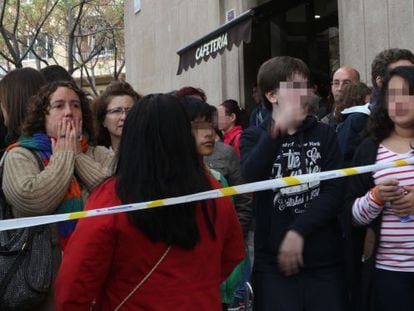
{"x": 298, "y": 262}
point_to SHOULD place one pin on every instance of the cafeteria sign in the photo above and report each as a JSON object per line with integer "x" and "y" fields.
{"x": 216, "y": 42}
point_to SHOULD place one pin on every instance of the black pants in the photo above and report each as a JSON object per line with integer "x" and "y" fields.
{"x": 394, "y": 290}
{"x": 311, "y": 290}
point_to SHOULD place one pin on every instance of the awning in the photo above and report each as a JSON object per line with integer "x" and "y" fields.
{"x": 217, "y": 41}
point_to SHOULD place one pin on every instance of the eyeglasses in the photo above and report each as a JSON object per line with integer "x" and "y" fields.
{"x": 118, "y": 111}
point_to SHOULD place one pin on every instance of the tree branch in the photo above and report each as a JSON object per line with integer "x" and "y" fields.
{"x": 71, "y": 36}
{"x": 3, "y": 68}
{"x": 3, "y": 11}
{"x": 6, "y": 57}
{"x": 92, "y": 82}
{"x": 96, "y": 32}
{"x": 39, "y": 28}
{"x": 14, "y": 58}
{"x": 16, "y": 21}
{"x": 37, "y": 56}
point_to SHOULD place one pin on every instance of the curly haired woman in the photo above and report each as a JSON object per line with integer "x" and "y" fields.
{"x": 56, "y": 129}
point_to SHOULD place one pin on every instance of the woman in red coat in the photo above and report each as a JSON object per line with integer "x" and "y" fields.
{"x": 190, "y": 248}
{"x": 231, "y": 120}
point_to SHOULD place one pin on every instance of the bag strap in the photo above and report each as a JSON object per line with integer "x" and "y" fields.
{"x": 38, "y": 159}
{"x": 231, "y": 142}
{"x": 34, "y": 152}
{"x": 144, "y": 279}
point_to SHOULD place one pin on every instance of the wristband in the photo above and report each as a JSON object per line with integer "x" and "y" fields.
{"x": 374, "y": 194}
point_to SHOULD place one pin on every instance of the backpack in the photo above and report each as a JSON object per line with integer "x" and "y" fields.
{"x": 26, "y": 271}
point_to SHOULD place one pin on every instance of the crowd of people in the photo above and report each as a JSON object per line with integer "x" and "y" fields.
{"x": 338, "y": 244}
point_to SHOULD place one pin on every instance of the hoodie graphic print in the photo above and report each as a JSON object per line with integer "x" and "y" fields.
{"x": 296, "y": 158}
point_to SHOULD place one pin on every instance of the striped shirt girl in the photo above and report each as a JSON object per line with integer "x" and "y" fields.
{"x": 396, "y": 244}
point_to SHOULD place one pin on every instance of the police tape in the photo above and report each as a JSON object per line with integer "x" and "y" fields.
{"x": 270, "y": 184}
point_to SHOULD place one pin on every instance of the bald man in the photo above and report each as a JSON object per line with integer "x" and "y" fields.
{"x": 342, "y": 77}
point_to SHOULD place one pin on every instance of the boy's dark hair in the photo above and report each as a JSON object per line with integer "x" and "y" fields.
{"x": 276, "y": 70}
{"x": 381, "y": 62}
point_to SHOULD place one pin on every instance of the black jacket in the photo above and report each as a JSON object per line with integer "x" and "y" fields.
{"x": 310, "y": 209}
{"x": 349, "y": 132}
{"x": 361, "y": 273}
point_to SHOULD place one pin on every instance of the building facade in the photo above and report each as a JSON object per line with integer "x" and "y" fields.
{"x": 324, "y": 33}
{"x": 370, "y": 26}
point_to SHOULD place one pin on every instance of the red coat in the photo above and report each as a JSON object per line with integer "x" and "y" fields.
{"x": 107, "y": 257}
{"x": 232, "y": 138}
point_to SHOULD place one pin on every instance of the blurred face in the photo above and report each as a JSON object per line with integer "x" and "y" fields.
{"x": 225, "y": 121}
{"x": 116, "y": 113}
{"x": 204, "y": 136}
{"x": 293, "y": 92}
{"x": 256, "y": 95}
{"x": 400, "y": 103}
{"x": 342, "y": 77}
{"x": 64, "y": 105}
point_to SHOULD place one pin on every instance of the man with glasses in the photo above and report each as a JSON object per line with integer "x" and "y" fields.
{"x": 342, "y": 77}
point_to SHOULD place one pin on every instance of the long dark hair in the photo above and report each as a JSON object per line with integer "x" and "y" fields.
{"x": 158, "y": 159}
{"x": 16, "y": 89}
{"x": 380, "y": 125}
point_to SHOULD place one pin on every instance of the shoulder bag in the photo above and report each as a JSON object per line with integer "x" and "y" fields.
{"x": 26, "y": 270}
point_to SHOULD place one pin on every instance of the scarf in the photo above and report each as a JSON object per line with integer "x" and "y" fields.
{"x": 72, "y": 202}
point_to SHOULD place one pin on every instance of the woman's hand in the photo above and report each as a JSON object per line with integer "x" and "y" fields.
{"x": 77, "y": 124}
{"x": 66, "y": 137}
{"x": 389, "y": 191}
{"x": 404, "y": 206}
{"x": 290, "y": 256}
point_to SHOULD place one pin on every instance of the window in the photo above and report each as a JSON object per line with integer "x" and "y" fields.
{"x": 137, "y": 6}
{"x": 43, "y": 47}
{"x": 91, "y": 44}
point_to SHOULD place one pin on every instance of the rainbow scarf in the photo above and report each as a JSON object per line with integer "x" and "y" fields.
{"x": 72, "y": 202}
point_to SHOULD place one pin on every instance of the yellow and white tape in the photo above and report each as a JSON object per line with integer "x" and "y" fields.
{"x": 211, "y": 194}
